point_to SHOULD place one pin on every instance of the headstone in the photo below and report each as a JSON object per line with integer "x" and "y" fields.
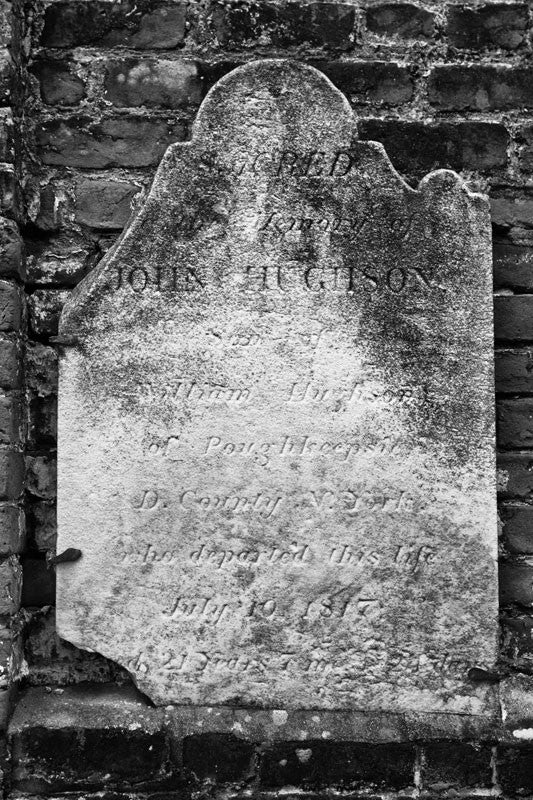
{"x": 276, "y": 421}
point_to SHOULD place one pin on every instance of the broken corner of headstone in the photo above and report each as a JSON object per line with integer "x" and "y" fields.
{"x": 276, "y": 441}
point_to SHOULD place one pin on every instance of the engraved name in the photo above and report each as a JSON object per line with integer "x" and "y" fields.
{"x": 341, "y": 279}
{"x": 182, "y": 389}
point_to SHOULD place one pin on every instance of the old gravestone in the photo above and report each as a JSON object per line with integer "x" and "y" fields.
{"x": 276, "y": 421}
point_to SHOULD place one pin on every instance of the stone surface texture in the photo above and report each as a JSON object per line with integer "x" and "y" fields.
{"x": 276, "y": 421}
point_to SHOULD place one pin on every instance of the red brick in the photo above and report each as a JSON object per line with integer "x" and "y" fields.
{"x": 41, "y": 476}
{"x": 218, "y": 757}
{"x": 417, "y": 147}
{"x": 154, "y": 83}
{"x": 515, "y": 476}
{"x": 515, "y": 768}
{"x": 88, "y": 737}
{"x": 378, "y": 82}
{"x": 7, "y": 142}
{"x": 42, "y": 525}
{"x": 59, "y": 86}
{"x": 10, "y": 364}
{"x": 11, "y": 475}
{"x": 327, "y": 25}
{"x": 460, "y": 764}
{"x": 524, "y": 138}
{"x": 517, "y": 528}
{"x": 114, "y": 142}
{"x": 513, "y": 317}
{"x": 404, "y": 20}
{"x": 513, "y": 267}
{"x": 514, "y": 371}
{"x": 12, "y": 530}
{"x": 140, "y": 24}
{"x": 10, "y": 306}
{"x": 10, "y": 585}
{"x": 45, "y": 307}
{"x": 6, "y": 76}
{"x": 104, "y": 204}
{"x": 41, "y": 369}
{"x": 515, "y": 423}
{"x": 492, "y": 25}
{"x": 476, "y": 87}
{"x": 41, "y": 422}
{"x": 516, "y": 583}
{"x": 517, "y": 640}
{"x": 346, "y": 764}
{"x": 10, "y": 420}
{"x": 63, "y": 259}
{"x": 11, "y": 250}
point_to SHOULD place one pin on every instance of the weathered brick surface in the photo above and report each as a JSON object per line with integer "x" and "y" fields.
{"x": 514, "y": 370}
{"x": 6, "y": 76}
{"x": 513, "y": 317}
{"x": 85, "y": 739}
{"x": 10, "y": 363}
{"x": 7, "y": 140}
{"x": 11, "y": 476}
{"x": 515, "y": 769}
{"x": 11, "y": 306}
{"x": 513, "y": 267}
{"x": 378, "y": 82}
{"x": 516, "y": 583}
{"x": 41, "y": 525}
{"x": 448, "y": 764}
{"x": 10, "y": 585}
{"x": 52, "y": 661}
{"x": 491, "y": 25}
{"x": 416, "y": 148}
{"x": 12, "y": 529}
{"x": 10, "y": 420}
{"x": 515, "y": 423}
{"x": 405, "y": 20}
{"x": 282, "y": 25}
{"x": 142, "y": 25}
{"x": 477, "y": 87}
{"x": 104, "y": 204}
{"x": 58, "y": 83}
{"x": 41, "y": 476}
{"x": 44, "y": 307}
{"x": 515, "y": 476}
{"x": 218, "y": 757}
{"x": 312, "y": 764}
{"x": 155, "y": 83}
{"x": 127, "y": 141}
{"x": 11, "y": 250}
{"x": 517, "y": 528}
{"x": 63, "y": 259}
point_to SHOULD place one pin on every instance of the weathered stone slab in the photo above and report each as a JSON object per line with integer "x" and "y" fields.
{"x": 276, "y": 426}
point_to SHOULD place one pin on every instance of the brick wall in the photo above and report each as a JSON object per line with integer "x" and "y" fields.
{"x": 99, "y": 89}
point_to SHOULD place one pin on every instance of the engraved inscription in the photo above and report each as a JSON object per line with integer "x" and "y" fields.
{"x": 289, "y": 163}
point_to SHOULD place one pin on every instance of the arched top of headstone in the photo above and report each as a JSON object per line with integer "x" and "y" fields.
{"x": 271, "y": 131}
{"x": 275, "y": 102}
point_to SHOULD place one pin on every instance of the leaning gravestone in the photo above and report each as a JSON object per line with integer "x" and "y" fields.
{"x": 276, "y": 421}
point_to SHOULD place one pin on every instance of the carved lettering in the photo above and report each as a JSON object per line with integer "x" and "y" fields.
{"x": 168, "y": 279}
{"x": 289, "y": 163}
{"x": 297, "y": 447}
